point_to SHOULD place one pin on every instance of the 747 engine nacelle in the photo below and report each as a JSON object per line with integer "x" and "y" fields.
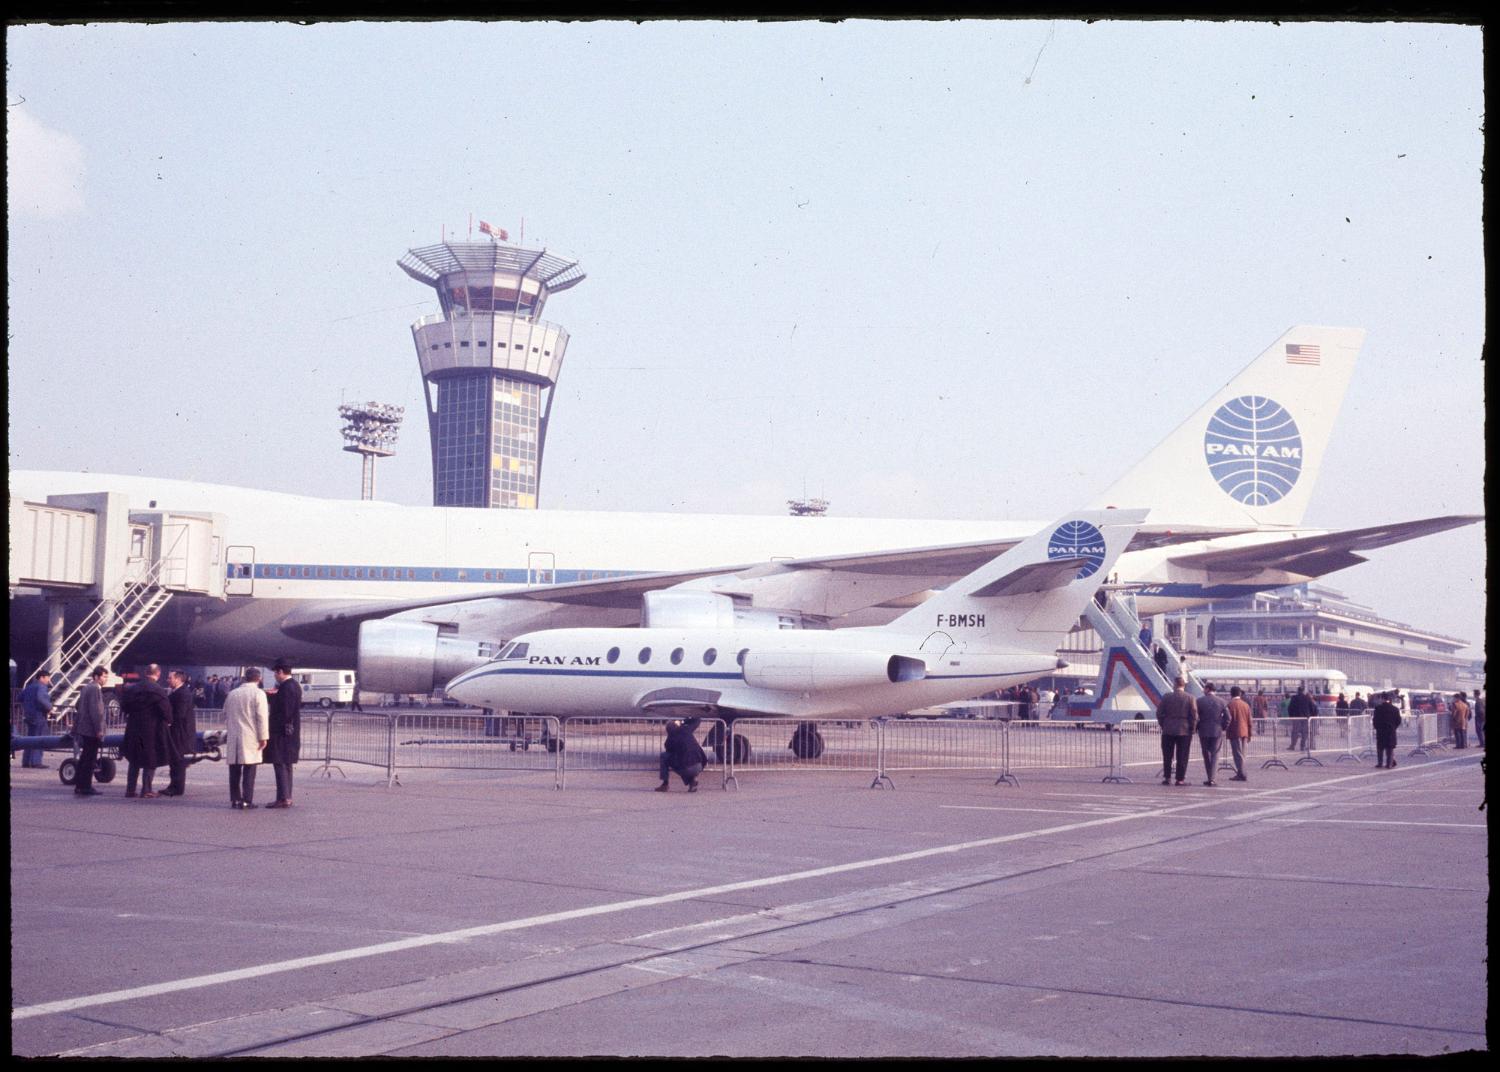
{"x": 810, "y": 671}
{"x": 397, "y": 655}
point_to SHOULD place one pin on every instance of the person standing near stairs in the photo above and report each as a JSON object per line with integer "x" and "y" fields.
{"x": 88, "y": 727}
{"x": 36, "y": 705}
{"x": 148, "y": 718}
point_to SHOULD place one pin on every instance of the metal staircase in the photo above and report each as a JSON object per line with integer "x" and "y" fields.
{"x": 103, "y": 635}
{"x": 1125, "y": 660}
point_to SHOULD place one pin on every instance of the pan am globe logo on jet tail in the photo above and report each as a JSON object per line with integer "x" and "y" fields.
{"x": 1078, "y": 539}
{"x": 1253, "y": 450}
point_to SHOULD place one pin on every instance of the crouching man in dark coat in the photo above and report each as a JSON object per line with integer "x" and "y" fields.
{"x": 285, "y": 745}
{"x": 148, "y": 716}
{"x": 183, "y": 735}
{"x": 682, "y": 754}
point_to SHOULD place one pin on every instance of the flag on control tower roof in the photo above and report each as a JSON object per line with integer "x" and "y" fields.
{"x": 494, "y": 232}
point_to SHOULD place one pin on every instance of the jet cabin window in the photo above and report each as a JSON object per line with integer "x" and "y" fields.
{"x": 709, "y": 656}
{"x": 676, "y": 656}
{"x": 613, "y": 656}
{"x": 645, "y": 655}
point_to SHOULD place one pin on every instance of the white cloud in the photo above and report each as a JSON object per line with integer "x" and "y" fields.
{"x": 45, "y": 173}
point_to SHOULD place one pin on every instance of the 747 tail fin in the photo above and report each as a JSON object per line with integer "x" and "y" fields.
{"x": 1250, "y": 454}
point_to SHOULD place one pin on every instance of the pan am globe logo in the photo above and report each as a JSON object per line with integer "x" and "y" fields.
{"x": 1253, "y": 450}
{"x": 1078, "y": 539}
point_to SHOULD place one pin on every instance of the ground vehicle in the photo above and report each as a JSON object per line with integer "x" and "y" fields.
{"x": 326, "y": 688}
{"x": 1323, "y": 686}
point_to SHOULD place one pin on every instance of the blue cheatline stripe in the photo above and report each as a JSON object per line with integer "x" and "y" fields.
{"x": 593, "y": 671}
{"x": 308, "y": 571}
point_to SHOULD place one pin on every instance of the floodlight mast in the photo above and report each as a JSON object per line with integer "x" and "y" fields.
{"x": 370, "y": 431}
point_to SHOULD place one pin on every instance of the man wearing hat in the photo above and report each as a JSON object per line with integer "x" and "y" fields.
{"x": 285, "y": 744}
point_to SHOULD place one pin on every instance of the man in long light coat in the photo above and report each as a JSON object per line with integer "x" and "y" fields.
{"x": 247, "y": 725}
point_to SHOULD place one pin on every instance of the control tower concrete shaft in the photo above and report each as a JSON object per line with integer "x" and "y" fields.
{"x": 489, "y": 366}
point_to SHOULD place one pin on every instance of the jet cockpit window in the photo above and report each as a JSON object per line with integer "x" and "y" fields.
{"x": 504, "y": 651}
{"x": 516, "y": 651}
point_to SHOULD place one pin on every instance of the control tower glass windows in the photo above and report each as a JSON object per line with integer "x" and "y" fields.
{"x": 462, "y": 421}
{"x": 513, "y": 443}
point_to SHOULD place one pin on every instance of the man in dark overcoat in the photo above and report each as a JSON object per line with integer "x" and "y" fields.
{"x": 683, "y": 754}
{"x": 183, "y": 736}
{"x": 148, "y": 716}
{"x": 285, "y": 745}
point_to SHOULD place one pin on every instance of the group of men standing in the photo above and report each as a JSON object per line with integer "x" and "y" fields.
{"x": 1211, "y": 719}
{"x": 263, "y": 728}
{"x": 161, "y": 730}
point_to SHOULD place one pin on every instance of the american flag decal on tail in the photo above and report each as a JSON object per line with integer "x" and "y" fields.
{"x": 1301, "y": 353}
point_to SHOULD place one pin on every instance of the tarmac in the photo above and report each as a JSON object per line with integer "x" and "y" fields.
{"x": 1312, "y": 911}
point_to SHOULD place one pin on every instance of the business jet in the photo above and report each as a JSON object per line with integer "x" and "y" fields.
{"x": 414, "y": 595}
{"x": 998, "y": 626}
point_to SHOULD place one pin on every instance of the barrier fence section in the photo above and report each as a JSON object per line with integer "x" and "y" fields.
{"x": 1053, "y": 746}
{"x": 944, "y": 745}
{"x": 627, "y": 744}
{"x": 762, "y": 745}
{"x": 473, "y": 741}
{"x": 364, "y": 739}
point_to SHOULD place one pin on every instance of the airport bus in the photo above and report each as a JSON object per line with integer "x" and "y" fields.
{"x": 1323, "y": 686}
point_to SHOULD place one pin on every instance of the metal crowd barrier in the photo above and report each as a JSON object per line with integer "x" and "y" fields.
{"x": 628, "y": 744}
{"x": 1043, "y": 746}
{"x": 799, "y": 744}
{"x": 461, "y": 741}
{"x": 942, "y": 744}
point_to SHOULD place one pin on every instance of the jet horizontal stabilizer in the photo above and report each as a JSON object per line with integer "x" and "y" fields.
{"x": 1309, "y": 550}
{"x": 1036, "y": 577}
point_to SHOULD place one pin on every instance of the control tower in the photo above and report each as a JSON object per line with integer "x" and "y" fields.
{"x": 492, "y": 364}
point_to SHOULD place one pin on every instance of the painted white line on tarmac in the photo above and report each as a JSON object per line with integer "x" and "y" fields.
{"x": 257, "y": 971}
{"x": 1383, "y": 822}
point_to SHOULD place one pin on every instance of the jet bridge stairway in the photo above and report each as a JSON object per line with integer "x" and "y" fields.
{"x": 1126, "y": 664}
{"x": 102, "y": 636}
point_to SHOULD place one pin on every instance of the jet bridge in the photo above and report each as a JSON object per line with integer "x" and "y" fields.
{"x": 124, "y": 564}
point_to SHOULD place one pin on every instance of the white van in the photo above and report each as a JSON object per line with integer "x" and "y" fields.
{"x": 326, "y": 688}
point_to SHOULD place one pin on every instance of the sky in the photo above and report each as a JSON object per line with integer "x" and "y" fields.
{"x": 946, "y": 269}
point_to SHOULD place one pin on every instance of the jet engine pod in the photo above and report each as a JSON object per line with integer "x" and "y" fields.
{"x": 401, "y": 655}
{"x": 808, "y": 671}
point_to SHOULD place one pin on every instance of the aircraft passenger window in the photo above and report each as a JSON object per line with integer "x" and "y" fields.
{"x": 613, "y": 656}
{"x": 676, "y": 656}
{"x": 740, "y": 658}
{"x": 518, "y": 651}
{"x": 645, "y": 655}
{"x": 709, "y": 656}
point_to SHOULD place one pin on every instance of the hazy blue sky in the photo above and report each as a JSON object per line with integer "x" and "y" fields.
{"x": 953, "y": 269}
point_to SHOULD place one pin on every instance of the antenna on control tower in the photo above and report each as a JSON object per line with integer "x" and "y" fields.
{"x": 370, "y": 431}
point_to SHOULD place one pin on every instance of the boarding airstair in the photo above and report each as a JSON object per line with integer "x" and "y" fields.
{"x": 1129, "y": 666}
{"x": 103, "y": 635}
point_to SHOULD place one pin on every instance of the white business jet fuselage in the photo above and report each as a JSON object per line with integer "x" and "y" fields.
{"x": 999, "y": 625}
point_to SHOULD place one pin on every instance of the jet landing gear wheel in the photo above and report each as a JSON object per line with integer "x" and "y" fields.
{"x": 806, "y": 742}
{"x": 739, "y": 745}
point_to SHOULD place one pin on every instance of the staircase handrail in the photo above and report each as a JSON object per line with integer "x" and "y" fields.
{"x": 86, "y": 634}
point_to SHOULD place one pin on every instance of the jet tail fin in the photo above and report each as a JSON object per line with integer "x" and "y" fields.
{"x": 1251, "y": 453}
{"x": 1030, "y": 596}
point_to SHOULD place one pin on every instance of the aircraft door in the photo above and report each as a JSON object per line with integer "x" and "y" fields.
{"x": 138, "y": 560}
{"x": 240, "y": 572}
{"x": 541, "y": 567}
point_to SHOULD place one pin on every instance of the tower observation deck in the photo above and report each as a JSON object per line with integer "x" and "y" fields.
{"x": 489, "y": 366}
